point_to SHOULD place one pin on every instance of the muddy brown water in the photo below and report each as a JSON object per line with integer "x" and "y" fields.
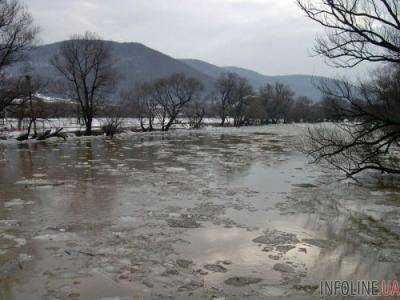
{"x": 210, "y": 213}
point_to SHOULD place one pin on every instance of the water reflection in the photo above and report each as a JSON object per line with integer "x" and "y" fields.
{"x": 113, "y": 198}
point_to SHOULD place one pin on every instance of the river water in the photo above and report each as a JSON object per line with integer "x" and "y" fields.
{"x": 209, "y": 213}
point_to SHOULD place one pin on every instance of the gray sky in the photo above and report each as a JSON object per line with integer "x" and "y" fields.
{"x": 269, "y": 36}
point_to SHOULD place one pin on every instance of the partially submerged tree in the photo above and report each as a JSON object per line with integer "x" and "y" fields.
{"x": 232, "y": 92}
{"x": 86, "y": 64}
{"x": 164, "y": 100}
{"x": 242, "y": 97}
{"x": 173, "y": 93}
{"x": 224, "y": 94}
{"x": 113, "y": 122}
{"x": 302, "y": 110}
{"x": 195, "y": 112}
{"x": 17, "y": 33}
{"x": 30, "y": 107}
{"x": 359, "y": 31}
{"x": 143, "y": 101}
{"x": 277, "y": 99}
{"x": 256, "y": 113}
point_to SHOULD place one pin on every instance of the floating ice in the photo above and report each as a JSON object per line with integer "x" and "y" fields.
{"x": 16, "y": 202}
{"x": 56, "y": 237}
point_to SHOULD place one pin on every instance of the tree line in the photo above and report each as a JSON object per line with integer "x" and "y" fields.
{"x": 233, "y": 101}
{"x": 87, "y": 76}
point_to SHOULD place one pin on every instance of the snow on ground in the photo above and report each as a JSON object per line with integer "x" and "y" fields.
{"x": 9, "y": 127}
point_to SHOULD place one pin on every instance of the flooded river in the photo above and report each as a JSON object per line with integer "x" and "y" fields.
{"x": 209, "y": 213}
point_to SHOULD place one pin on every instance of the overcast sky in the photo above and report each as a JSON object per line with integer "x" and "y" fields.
{"x": 269, "y": 36}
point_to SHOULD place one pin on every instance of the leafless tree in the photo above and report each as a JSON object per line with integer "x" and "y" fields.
{"x": 17, "y": 33}
{"x": 359, "y": 31}
{"x": 278, "y": 99}
{"x": 113, "y": 122}
{"x": 163, "y": 100}
{"x": 33, "y": 103}
{"x": 242, "y": 96}
{"x": 231, "y": 92}
{"x": 371, "y": 139}
{"x": 356, "y": 30}
{"x": 143, "y": 99}
{"x": 256, "y": 112}
{"x": 302, "y": 110}
{"x": 331, "y": 109}
{"x": 11, "y": 92}
{"x": 172, "y": 94}
{"x": 86, "y": 64}
{"x": 224, "y": 93}
{"x": 195, "y": 113}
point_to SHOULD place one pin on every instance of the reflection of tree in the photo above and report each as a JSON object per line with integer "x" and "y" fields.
{"x": 91, "y": 202}
{"x": 84, "y": 155}
{"x": 6, "y": 289}
{"x": 93, "y": 196}
{"x": 25, "y": 162}
{"x": 238, "y": 160}
{"x": 223, "y": 157}
{"x": 351, "y": 250}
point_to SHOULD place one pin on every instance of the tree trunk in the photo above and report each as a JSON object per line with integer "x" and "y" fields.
{"x": 88, "y": 124}
{"x": 169, "y": 124}
{"x": 19, "y": 124}
{"x": 142, "y": 124}
{"x": 223, "y": 121}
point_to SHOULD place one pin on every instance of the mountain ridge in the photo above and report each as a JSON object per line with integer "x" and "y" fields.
{"x": 302, "y": 84}
{"x": 136, "y": 62}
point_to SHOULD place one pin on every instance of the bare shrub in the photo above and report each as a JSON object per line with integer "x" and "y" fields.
{"x": 195, "y": 113}
{"x": 113, "y": 123}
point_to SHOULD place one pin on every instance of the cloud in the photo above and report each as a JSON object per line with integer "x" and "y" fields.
{"x": 270, "y": 36}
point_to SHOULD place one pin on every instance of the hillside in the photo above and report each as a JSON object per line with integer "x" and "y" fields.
{"x": 134, "y": 62}
{"x": 304, "y": 85}
{"x": 137, "y": 63}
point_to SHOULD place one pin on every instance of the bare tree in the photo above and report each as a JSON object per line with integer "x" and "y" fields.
{"x": 371, "y": 140}
{"x": 331, "y": 109}
{"x": 357, "y": 31}
{"x": 256, "y": 113}
{"x": 242, "y": 96}
{"x": 33, "y": 103}
{"x": 144, "y": 101}
{"x": 231, "y": 92}
{"x": 195, "y": 112}
{"x": 278, "y": 99}
{"x": 86, "y": 64}
{"x": 17, "y": 33}
{"x": 11, "y": 92}
{"x": 113, "y": 122}
{"x": 224, "y": 93}
{"x": 301, "y": 110}
{"x": 172, "y": 94}
{"x": 163, "y": 100}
